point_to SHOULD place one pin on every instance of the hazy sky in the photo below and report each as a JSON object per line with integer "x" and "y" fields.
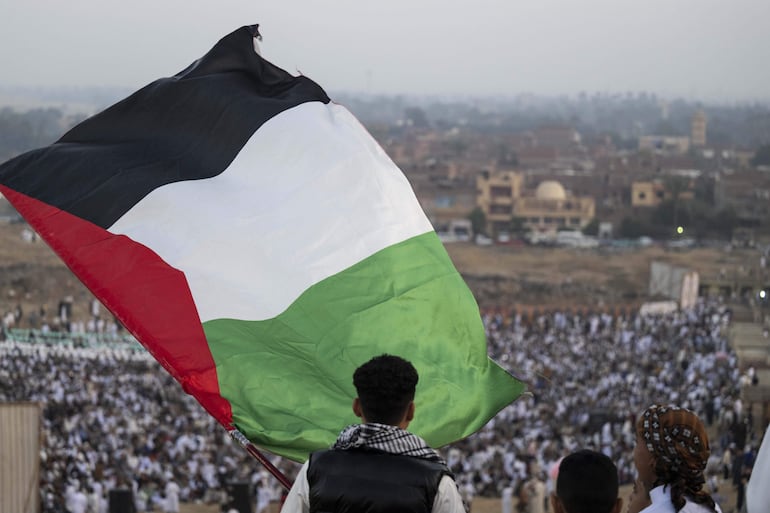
{"x": 700, "y": 49}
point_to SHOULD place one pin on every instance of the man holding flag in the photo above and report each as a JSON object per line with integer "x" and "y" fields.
{"x": 377, "y": 466}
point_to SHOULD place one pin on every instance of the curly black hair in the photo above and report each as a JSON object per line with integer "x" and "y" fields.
{"x": 385, "y": 386}
{"x": 587, "y": 482}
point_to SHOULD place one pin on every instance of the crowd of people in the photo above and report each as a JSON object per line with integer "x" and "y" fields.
{"x": 113, "y": 418}
{"x": 589, "y": 376}
{"x": 45, "y": 323}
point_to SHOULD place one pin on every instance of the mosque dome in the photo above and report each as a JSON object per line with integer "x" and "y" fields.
{"x": 550, "y": 190}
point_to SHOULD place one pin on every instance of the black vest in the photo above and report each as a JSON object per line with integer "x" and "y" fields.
{"x": 365, "y": 481}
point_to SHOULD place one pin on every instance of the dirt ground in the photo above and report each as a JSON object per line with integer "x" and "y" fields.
{"x": 32, "y": 276}
{"x": 600, "y": 277}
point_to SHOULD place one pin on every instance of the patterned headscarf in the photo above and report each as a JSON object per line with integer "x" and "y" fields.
{"x": 677, "y": 438}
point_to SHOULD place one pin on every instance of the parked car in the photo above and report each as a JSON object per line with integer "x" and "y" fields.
{"x": 483, "y": 240}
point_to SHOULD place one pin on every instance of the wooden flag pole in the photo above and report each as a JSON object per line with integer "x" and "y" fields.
{"x": 252, "y": 449}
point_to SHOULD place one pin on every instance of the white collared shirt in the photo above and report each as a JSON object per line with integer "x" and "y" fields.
{"x": 661, "y": 503}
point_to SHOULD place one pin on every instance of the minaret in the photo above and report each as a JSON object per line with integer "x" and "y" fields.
{"x": 698, "y": 129}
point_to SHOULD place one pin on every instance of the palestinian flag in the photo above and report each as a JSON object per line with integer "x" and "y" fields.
{"x": 259, "y": 243}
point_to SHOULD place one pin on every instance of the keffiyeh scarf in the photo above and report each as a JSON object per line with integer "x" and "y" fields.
{"x": 385, "y": 438}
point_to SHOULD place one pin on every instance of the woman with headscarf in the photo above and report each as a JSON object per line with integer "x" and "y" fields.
{"x": 671, "y": 453}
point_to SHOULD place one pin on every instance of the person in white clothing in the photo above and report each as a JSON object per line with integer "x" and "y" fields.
{"x": 671, "y": 453}
{"x": 506, "y": 502}
{"x": 171, "y": 492}
{"x": 79, "y": 502}
{"x": 264, "y": 495}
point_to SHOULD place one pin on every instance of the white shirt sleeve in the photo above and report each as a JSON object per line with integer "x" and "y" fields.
{"x": 297, "y": 501}
{"x": 448, "y": 498}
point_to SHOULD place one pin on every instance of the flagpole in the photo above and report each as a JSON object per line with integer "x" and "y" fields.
{"x": 252, "y": 449}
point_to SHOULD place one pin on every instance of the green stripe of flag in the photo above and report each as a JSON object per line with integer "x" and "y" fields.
{"x": 289, "y": 379}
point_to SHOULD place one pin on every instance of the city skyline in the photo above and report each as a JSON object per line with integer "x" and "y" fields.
{"x": 703, "y": 50}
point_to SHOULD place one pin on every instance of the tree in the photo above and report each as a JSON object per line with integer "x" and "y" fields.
{"x": 704, "y": 190}
{"x": 675, "y": 186}
{"x": 591, "y": 228}
{"x": 24, "y": 131}
{"x": 631, "y": 228}
{"x": 669, "y": 214}
{"x": 517, "y": 225}
{"x": 724, "y": 222}
{"x": 478, "y": 220}
{"x": 416, "y": 117}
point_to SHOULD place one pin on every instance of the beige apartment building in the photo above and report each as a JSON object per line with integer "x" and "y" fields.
{"x": 665, "y": 144}
{"x": 647, "y": 194}
{"x": 653, "y": 193}
{"x": 495, "y": 196}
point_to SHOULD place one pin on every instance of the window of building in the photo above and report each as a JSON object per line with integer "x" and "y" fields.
{"x": 499, "y": 226}
{"x": 500, "y": 209}
{"x": 574, "y": 221}
{"x": 642, "y": 195}
{"x": 500, "y": 192}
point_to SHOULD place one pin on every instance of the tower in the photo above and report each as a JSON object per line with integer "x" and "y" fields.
{"x": 698, "y": 129}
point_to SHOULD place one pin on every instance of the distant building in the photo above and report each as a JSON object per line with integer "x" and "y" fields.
{"x": 698, "y": 129}
{"x": 445, "y": 203}
{"x": 551, "y": 208}
{"x": 458, "y": 230}
{"x": 537, "y": 157}
{"x": 646, "y": 194}
{"x": 563, "y": 138}
{"x": 501, "y": 196}
{"x": 747, "y": 194}
{"x": 743, "y": 157}
{"x": 664, "y": 143}
{"x": 653, "y": 193}
{"x": 495, "y": 196}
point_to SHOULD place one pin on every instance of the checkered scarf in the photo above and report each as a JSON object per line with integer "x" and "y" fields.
{"x": 385, "y": 438}
{"x": 677, "y": 437}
